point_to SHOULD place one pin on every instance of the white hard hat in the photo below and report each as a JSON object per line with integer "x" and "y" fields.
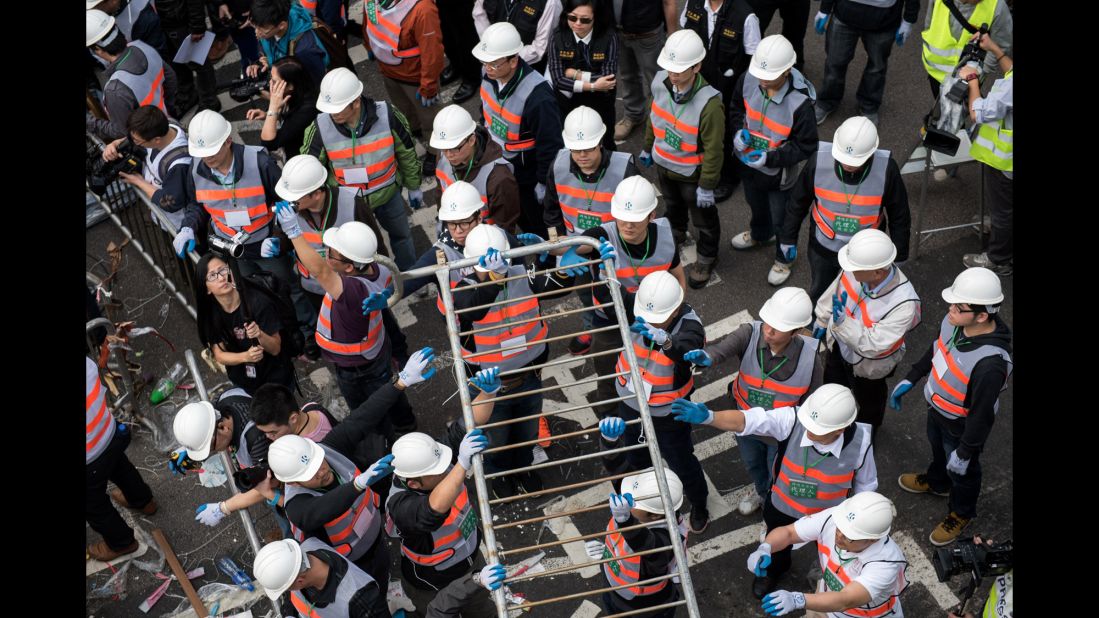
{"x": 417, "y": 454}
{"x": 830, "y": 407}
{"x": 301, "y": 175}
{"x": 644, "y": 484}
{"x": 773, "y": 56}
{"x": 277, "y": 565}
{"x": 451, "y": 126}
{"x": 788, "y": 309}
{"x": 459, "y": 201}
{"x": 975, "y": 286}
{"x": 96, "y": 26}
{"x": 658, "y": 296}
{"x": 294, "y": 459}
{"x": 194, "y": 427}
{"x": 869, "y": 249}
{"x": 482, "y": 238}
{"x": 634, "y": 198}
{"x": 499, "y": 40}
{"x": 855, "y": 141}
{"x": 865, "y": 515}
{"x": 354, "y": 240}
{"x": 206, "y": 133}
{"x": 91, "y": 4}
{"x": 683, "y": 49}
{"x": 339, "y": 88}
{"x": 584, "y": 129}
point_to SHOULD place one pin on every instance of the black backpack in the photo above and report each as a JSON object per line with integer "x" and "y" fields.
{"x": 276, "y": 290}
{"x": 336, "y": 49}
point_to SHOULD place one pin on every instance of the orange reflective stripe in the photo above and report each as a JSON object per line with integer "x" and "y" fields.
{"x": 777, "y": 127}
{"x": 303, "y": 608}
{"x": 443, "y": 177}
{"x": 251, "y": 228}
{"x": 313, "y": 238}
{"x": 98, "y": 417}
{"x": 857, "y": 200}
{"x": 675, "y": 122}
{"x": 777, "y": 490}
{"x": 496, "y": 357}
{"x": 347, "y": 530}
{"x": 771, "y": 385}
{"x": 824, "y": 227}
{"x": 596, "y": 196}
{"x": 684, "y": 146}
{"x": 517, "y": 145}
{"x": 488, "y": 99}
{"x": 341, "y": 176}
{"x": 91, "y": 397}
{"x": 851, "y": 293}
{"x": 508, "y": 311}
{"x": 689, "y": 160}
{"x": 381, "y": 34}
{"x": 741, "y": 397}
{"x": 430, "y": 560}
{"x": 212, "y": 195}
{"x": 955, "y": 393}
{"x": 821, "y": 495}
{"x": 153, "y": 91}
{"x": 346, "y": 153}
{"x": 98, "y": 436}
{"x": 666, "y": 397}
{"x": 951, "y": 365}
{"x": 627, "y": 272}
{"x": 657, "y": 356}
{"x": 835, "y": 568}
{"x": 939, "y": 401}
{"x": 253, "y": 211}
{"x": 831, "y": 216}
{"x": 831, "y": 479}
{"x": 880, "y": 610}
{"x": 521, "y": 329}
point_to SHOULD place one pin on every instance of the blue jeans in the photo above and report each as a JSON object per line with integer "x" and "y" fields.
{"x": 394, "y": 218}
{"x": 839, "y": 44}
{"x": 515, "y": 432}
{"x": 759, "y": 460}
{"x": 768, "y": 206}
{"x": 944, "y": 436}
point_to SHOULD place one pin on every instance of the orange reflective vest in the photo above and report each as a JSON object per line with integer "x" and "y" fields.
{"x": 751, "y": 390}
{"x": 584, "y": 206}
{"x": 809, "y": 482}
{"x": 836, "y": 576}
{"x": 503, "y": 117}
{"x": 838, "y": 214}
{"x": 98, "y": 421}
{"x": 656, "y": 369}
{"x": 444, "y": 173}
{"x": 383, "y": 30}
{"x": 371, "y": 345}
{"x": 492, "y": 345}
{"x": 147, "y": 87}
{"x": 870, "y": 311}
{"x": 675, "y": 126}
{"x": 769, "y": 122}
{"x": 237, "y": 206}
{"x": 453, "y": 542}
{"x": 948, "y": 383}
{"x": 627, "y": 571}
{"x": 354, "y": 579}
{"x": 366, "y": 161}
{"x": 631, "y": 273}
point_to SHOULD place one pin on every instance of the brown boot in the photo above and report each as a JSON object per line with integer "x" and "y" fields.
{"x": 101, "y": 551}
{"x": 148, "y": 509}
{"x": 699, "y": 274}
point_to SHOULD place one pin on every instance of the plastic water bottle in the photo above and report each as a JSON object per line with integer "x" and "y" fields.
{"x": 230, "y": 568}
{"x": 167, "y": 385}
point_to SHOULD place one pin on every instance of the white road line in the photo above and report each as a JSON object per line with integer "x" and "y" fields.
{"x": 587, "y": 609}
{"x": 726, "y": 325}
{"x": 921, "y": 571}
{"x": 722, "y": 544}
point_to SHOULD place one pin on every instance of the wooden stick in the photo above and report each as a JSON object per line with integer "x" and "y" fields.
{"x": 181, "y": 575}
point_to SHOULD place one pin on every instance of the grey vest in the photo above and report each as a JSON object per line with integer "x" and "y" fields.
{"x": 345, "y": 211}
{"x": 354, "y": 580}
{"x": 677, "y": 146}
{"x": 832, "y": 477}
{"x": 584, "y": 206}
{"x": 770, "y": 130}
{"x": 147, "y": 87}
{"x": 948, "y": 382}
{"x": 246, "y": 195}
{"x": 506, "y": 335}
{"x": 444, "y": 173}
{"x": 749, "y": 389}
{"x": 657, "y": 366}
{"x": 631, "y": 274}
{"x": 836, "y": 220}
{"x": 164, "y": 160}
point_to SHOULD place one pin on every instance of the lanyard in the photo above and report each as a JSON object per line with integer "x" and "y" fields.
{"x": 232, "y": 185}
{"x": 954, "y": 341}
{"x": 595, "y": 185}
{"x": 839, "y": 556}
{"x": 518, "y": 79}
{"x": 634, "y": 265}
{"x": 327, "y": 214}
{"x": 469, "y": 166}
{"x": 849, "y": 198}
{"x": 767, "y": 374}
{"x": 694, "y": 87}
{"x": 353, "y": 142}
{"x": 762, "y": 112}
{"x": 806, "y": 466}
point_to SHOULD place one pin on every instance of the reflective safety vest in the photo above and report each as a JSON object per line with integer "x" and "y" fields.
{"x": 369, "y": 346}
{"x": 98, "y": 420}
{"x": 629, "y": 274}
{"x": 675, "y": 126}
{"x": 452, "y": 255}
{"x": 993, "y": 144}
{"x": 353, "y": 532}
{"x": 366, "y": 161}
{"x": 837, "y": 574}
{"x": 870, "y": 311}
{"x": 158, "y": 165}
{"x": 444, "y": 173}
{"x": 626, "y": 571}
{"x": 503, "y": 117}
{"x": 769, "y": 123}
{"x": 1000, "y": 597}
{"x": 656, "y": 369}
{"x": 751, "y": 390}
{"x": 354, "y": 579}
{"x": 148, "y": 87}
{"x": 383, "y": 30}
{"x": 584, "y": 206}
{"x": 310, "y": 7}
{"x": 345, "y": 211}
{"x": 503, "y": 334}
{"x": 941, "y": 49}
{"x": 241, "y": 205}
{"x": 809, "y": 482}
{"x": 454, "y": 541}
{"x": 837, "y": 220}
{"x": 948, "y": 382}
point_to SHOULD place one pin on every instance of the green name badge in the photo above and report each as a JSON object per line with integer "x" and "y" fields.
{"x": 761, "y": 399}
{"x": 834, "y": 584}
{"x": 586, "y": 221}
{"x": 803, "y": 489}
{"x": 847, "y": 225}
{"x": 499, "y": 128}
{"x": 469, "y": 524}
{"x": 673, "y": 139}
{"x": 613, "y": 564}
{"x": 758, "y": 142}
{"x": 372, "y": 11}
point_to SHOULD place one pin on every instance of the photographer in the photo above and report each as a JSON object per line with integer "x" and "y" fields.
{"x": 291, "y": 108}
{"x": 1000, "y": 597}
{"x": 944, "y": 37}
{"x": 280, "y": 25}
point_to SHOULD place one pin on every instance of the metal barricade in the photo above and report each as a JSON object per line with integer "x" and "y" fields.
{"x": 494, "y": 554}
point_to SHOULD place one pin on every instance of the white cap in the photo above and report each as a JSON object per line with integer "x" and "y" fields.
{"x": 301, "y": 175}
{"x": 354, "y": 240}
{"x": 459, "y": 201}
{"x": 499, "y": 40}
{"x": 773, "y": 56}
{"x": 338, "y": 89}
{"x": 683, "y": 49}
{"x": 482, "y": 238}
{"x": 788, "y": 309}
{"x": 194, "y": 427}
{"x": 865, "y": 515}
{"x": 277, "y": 565}
{"x": 644, "y": 484}
{"x": 633, "y": 200}
{"x": 975, "y": 286}
{"x": 830, "y": 407}
{"x": 294, "y": 459}
{"x": 452, "y": 125}
{"x": 417, "y": 454}
{"x": 855, "y": 141}
{"x": 869, "y": 249}
{"x": 583, "y": 129}
{"x": 96, "y": 26}
{"x": 658, "y": 296}
{"x": 206, "y": 133}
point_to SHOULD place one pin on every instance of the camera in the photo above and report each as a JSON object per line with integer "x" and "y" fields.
{"x": 102, "y": 173}
{"x": 977, "y": 558}
{"x": 233, "y": 247}
{"x": 248, "y": 478}
{"x": 242, "y": 90}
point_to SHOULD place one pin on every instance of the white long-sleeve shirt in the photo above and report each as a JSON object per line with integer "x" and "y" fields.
{"x": 751, "y": 33}
{"x": 546, "y": 25}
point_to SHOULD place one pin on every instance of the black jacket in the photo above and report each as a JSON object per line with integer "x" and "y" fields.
{"x": 541, "y": 122}
{"x": 725, "y": 50}
{"x": 799, "y": 146}
{"x": 865, "y": 17}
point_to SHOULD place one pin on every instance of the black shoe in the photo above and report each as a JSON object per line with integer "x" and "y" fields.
{"x": 679, "y": 237}
{"x": 427, "y": 167}
{"x": 581, "y": 344}
{"x": 699, "y": 274}
{"x": 448, "y": 76}
{"x": 185, "y": 103}
{"x": 700, "y": 519}
{"x": 211, "y": 104}
{"x": 503, "y": 487}
{"x": 312, "y": 351}
{"x": 763, "y": 585}
{"x": 464, "y": 93}
{"x": 722, "y": 192}
{"x": 529, "y": 481}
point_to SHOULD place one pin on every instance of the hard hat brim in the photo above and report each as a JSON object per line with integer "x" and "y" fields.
{"x": 441, "y": 465}
{"x": 654, "y": 317}
{"x": 632, "y": 216}
{"x": 952, "y": 298}
{"x": 851, "y": 533}
{"x": 811, "y": 425}
{"x": 335, "y": 107}
{"x": 767, "y": 314}
{"x": 848, "y": 265}
{"x": 638, "y": 504}
{"x": 437, "y": 142}
{"x": 331, "y": 239}
{"x": 847, "y": 159}
{"x": 202, "y": 453}
{"x": 764, "y": 74}
{"x": 583, "y": 144}
{"x": 486, "y": 56}
{"x": 293, "y": 196}
{"x": 675, "y": 67}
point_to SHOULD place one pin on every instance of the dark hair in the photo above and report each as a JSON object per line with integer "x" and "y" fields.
{"x": 270, "y": 12}
{"x": 293, "y": 72}
{"x": 602, "y": 15}
{"x": 116, "y": 46}
{"x": 148, "y": 122}
{"x": 213, "y": 323}
{"x": 273, "y": 403}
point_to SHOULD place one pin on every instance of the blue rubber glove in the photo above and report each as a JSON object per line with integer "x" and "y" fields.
{"x": 818, "y": 332}
{"x": 760, "y": 559}
{"x": 820, "y": 22}
{"x": 184, "y": 242}
{"x": 686, "y": 411}
{"x": 658, "y": 336}
{"x": 756, "y": 159}
{"x": 493, "y": 576}
{"x": 620, "y": 507}
{"x": 426, "y": 101}
{"x": 474, "y": 442}
{"x": 269, "y": 248}
{"x": 789, "y": 251}
{"x": 487, "y": 380}
{"x": 376, "y": 472}
{"x": 838, "y": 303}
{"x": 175, "y": 464}
{"x": 956, "y": 464}
{"x": 902, "y": 33}
{"x": 540, "y": 192}
{"x": 492, "y": 260}
{"x": 415, "y": 199}
{"x": 376, "y": 301}
{"x": 704, "y": 197}
{"x": 288, "y": 219}
{"x": 413, "y": 372}
{"x": 369, "y": 53}
{"x": 571, "y": 259}
{"x": 530, "y": 239}
{"x": 606, "y": 252}
{"x": 698, "y": 357}
{"x": 899, "y": 390}
{"x": 611, "y": 428}
{"x": 645, "y": 159}
{"x": 210, "y": 513}
{"x": 740, "y": 140}
{"x": 782, "y": 602}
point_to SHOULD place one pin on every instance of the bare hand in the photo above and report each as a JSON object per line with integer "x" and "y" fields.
{"x": 224, "y": 14}
{"x": 987, "y": 43}
{"x": 130, "y": 179}
{"x": 966, "y": 71}
{"x": 252, "y": 70}
{"x": 252, "y": 330}
{"x": 110, "y": 153}
{"x": 605, "y": 83}
{"x": 195, "y": 38}
{"x": 254, "y": 354}
{"x": 255, "y": 114}
{"x": 263, "y": 62}
{"x": 277, "y": 93}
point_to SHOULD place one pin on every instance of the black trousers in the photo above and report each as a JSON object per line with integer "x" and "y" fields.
{"x": 113, "y": 465}
{"x": 679, "y": 200}
{"x": 999, "y": 195}
{"x": 676, "y": 446}
{"x": 203, "y": 79}
{"x": 869, "y": 394}
{"x": 459, "y": 38}
{"x": 774, "y": 518}
{"x": 795, "y": 20}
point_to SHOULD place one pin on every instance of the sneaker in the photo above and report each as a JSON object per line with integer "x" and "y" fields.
{"x": 624, "y": 127}
{"x": 750, "y": 504}
{"x": 150, "y": 507}
{"x": 102, "y": 552}
{"x": 917, "y": 484}
{"x": 699, "y": 275}
{"x": 744, "y": 241}
{"x": 580, "y": 344}
{"x": 779, "y": 273}
{"x": 544, "y": 432}
{"x": 871, "y": 116}
{"x": 464, "y": 93}
{"x": 526, "y": 482}
{"x": 948, "y": 529}
{"x": 981, "y": 260}
{"x": 700, "y": 519}
{"x": 822, "y": 114}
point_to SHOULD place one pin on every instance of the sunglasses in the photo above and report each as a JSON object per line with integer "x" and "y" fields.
{"x": 577, "y": 18}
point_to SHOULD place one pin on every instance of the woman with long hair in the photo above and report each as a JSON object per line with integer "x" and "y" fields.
{"x": 291, "y": 108}
{"x": 583, "y": 58}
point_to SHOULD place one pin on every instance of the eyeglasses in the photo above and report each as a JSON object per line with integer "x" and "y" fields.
{"x": 958, "y": 308}
{"x": 220, "y": 273}
{"x": 462, "y": 225}
{"x": 495, "y": 66}
{"x": 576, "y": 18}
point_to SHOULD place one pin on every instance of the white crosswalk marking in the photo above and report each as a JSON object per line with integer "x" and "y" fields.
{"x": 921, "y": 571}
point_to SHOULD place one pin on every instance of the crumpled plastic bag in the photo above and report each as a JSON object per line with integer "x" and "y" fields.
{"x": 116, "y": 583}
{"x": 231, "y": 598}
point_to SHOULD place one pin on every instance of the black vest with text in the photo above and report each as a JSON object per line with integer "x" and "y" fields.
{"x": 523, "y": 14}
{"x": 725, "y": 49}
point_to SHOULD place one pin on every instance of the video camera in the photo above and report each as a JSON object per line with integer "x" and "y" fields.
{"x": 242, "y": 90}
{"x": 233, "y": 247}
{"x": 102, "y": 173}
{"x": 980, "y": 559}
{"x": 248, "y": 478}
